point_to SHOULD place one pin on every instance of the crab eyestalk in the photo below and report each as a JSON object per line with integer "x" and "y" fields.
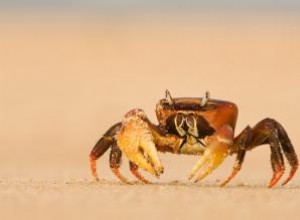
{"x": 169, "y": 97}
{"x": 205, "y": 99}
{"x": 192, "y": 126}
{"x": 179, "y": 121}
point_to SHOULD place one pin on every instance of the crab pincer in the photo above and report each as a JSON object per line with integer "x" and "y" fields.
{"x": 136, "y": 141}
{"x": 217, "y": 149}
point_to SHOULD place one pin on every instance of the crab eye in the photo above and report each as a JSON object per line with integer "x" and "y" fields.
{"x": 179, "y": 120}
{"x": 179, "y": 124}
{"x": 191, "y": 121}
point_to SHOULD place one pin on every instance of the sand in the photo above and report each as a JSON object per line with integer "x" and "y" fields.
{"x": 64, "y": 79}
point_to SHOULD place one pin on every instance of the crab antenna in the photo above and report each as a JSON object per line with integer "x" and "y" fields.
{"x": 169, "y": 97}
{"x": 205, "y": 99}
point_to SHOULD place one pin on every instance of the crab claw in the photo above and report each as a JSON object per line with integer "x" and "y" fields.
{"x": 212, "y": 158}
{"x": 136, "y": 142}
{"x": 217, "y": 150}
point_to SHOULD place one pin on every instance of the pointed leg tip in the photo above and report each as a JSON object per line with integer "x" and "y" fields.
{"x": 290, "y": 177}
{"x": 273, "y": 182}
{"x": 146, "y": 182}
{"x": 276, "y": 177}
{"x": 195, "y": 180}
{"x": 156, "y": 174}
{"x": 190, "y": 177}
{"x": 136, "y": 173}
{"x": 159, "y": 170}
{"x": 270, "y": 186}
{"x": 223, "y": 184}
{"x": 125, "y": 181}
{"x": 287, "y": 181}
{"x": 199, "y": 179}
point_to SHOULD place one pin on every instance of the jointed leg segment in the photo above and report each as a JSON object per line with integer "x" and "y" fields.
{"x": 115, "y": 162}
{"x": 267, "y": 131}
{"x": 105, "y": 142}
{"x": 239, "y": 146}
{"x": 135, "y": 172}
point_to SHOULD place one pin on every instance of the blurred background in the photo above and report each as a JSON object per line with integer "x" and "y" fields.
{"x": 71, "y": 69}
{"x": 154, "y": 4}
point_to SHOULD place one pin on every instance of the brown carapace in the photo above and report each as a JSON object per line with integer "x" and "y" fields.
{"x": 195, "y": 126}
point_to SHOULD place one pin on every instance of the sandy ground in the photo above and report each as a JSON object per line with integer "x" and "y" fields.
{"x": 64, "y": 79}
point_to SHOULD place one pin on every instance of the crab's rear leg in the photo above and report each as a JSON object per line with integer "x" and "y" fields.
{"x": 267, "y": 131}
{"x": 288, "y": 151}
{"x": 105, "y": 142}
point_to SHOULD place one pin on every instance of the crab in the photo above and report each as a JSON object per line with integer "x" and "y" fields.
{"x": 192, "y": 126}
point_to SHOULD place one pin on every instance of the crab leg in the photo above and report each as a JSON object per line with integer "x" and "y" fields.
{"x": 135, "y": 172}
{"x": 239, "y": 146}
{"x": 101, "y": 147}
{"x": 276, "y": 162}
{"x": 288, "y": 151}
{"x": 271, "y": 132}
{"x": 237, "y": 166}
{"x": 115, "y": 162}
{"x": 267, "y": 131}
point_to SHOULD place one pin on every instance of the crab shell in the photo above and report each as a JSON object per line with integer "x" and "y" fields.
{"x": 217, "y": 113}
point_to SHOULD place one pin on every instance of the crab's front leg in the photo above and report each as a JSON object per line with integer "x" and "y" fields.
{"x": 136, "y": 141}
{"x": 217, "y": 149}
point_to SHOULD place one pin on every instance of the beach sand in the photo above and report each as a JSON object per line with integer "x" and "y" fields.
{"x": 65, "y": 79}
